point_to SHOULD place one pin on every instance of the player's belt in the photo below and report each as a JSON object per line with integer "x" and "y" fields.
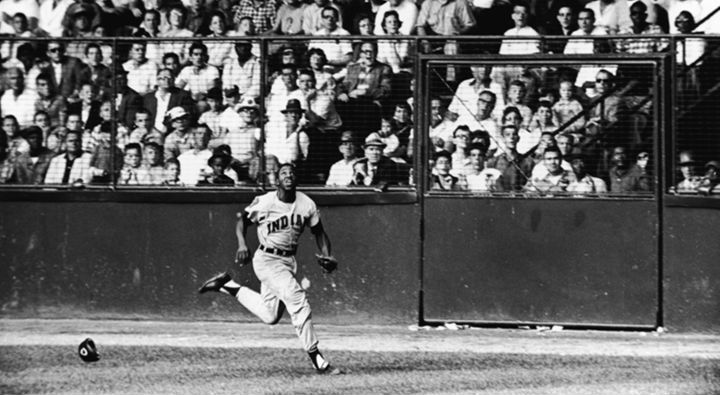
{"x": 277, "y": 251}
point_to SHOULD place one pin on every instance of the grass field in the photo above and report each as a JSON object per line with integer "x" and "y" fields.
{"x": 226, "y": 358}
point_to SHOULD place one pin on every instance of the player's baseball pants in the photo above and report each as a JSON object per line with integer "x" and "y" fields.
{"x": 278, "y": 284}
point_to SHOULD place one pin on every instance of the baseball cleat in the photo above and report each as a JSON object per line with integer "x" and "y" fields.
{"x": 330, "y": 371}
{"x": 216, "y": 283}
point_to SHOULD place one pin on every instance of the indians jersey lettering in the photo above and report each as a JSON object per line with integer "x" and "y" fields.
{"x": 280, "y": 224}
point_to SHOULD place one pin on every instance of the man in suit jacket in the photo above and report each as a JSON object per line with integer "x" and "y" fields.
{"x": 166, "y": 96}
{"x": 70, "y": 167}
{"x": 31, "y": 167}
{"x": 66, "y": 71}
{"x": 364, "y": 90}
{"x": 127, "y": 101}
{"x": 88, "y": 108}
{"x": 379, "y": 169}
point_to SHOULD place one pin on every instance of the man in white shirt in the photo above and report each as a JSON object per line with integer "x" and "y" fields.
{"x": 51, "y": 16}
{"x": 338, "y": 53}
{"x": 612, "y": 15}
{"x": 198, "y": 77}
{"x": 464, "y": 101}
{"x": 17, "y": 100}
{"x": 193, "y": 162}
{"x": 312, "y": 15}
{"x": 520, "y": 14}
{"x": 141, "y": 72}
{"x": 407, "y": 11}
{"x": 589, "y": 45}
{"x": 341, "y": 172}
{"x": 243, "y": 72}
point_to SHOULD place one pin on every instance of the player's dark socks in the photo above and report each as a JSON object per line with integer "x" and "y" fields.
{"x": 232, "y": 290}
{"x": 318, "y": 360}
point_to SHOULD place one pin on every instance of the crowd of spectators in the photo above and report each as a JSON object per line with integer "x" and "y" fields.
{"x": 167, "y": 107}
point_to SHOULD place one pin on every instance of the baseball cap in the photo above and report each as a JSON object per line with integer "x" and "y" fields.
{"x": 713, "y": 163}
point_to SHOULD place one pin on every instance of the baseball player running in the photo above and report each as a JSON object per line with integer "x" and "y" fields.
{"x": 281, "y": 217}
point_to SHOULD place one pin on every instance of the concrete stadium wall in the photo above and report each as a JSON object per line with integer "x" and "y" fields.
{"x": 146, "y": 260}
{"x": 110, "y": 259}
{"x": 691, "y": 274}
{"x": 570, "y": 261}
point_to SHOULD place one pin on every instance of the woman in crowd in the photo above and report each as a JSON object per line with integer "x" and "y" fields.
{"x": 394, "y": 52}
{"x": 176, "y": 20}
{"x": 218, "y": 51}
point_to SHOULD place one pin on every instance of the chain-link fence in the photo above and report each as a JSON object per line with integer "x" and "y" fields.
{"x": 225, "y": 112}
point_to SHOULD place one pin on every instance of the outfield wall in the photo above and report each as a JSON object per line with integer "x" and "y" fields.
{"x": 131, "y": 260}
{"x": 141, "y": 260}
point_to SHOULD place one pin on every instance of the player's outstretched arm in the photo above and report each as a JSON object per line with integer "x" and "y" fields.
{"x": 321, "y": 239}
{"x": 242, "y": 256}
{"x": 324, "y": 258}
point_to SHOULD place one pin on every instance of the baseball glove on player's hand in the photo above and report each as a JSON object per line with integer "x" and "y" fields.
{"x": 328, "y": 263}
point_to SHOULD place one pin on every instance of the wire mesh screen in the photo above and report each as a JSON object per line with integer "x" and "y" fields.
{"x": 220, "y": 112}
{"x": 524, "y": 128}
{"x": 696, "y": 158}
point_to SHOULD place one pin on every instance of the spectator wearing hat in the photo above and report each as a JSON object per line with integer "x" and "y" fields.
{"x": 231, "y": 96}
{"x": 341, "y": 172}
{"x": 242, "y": 132}
{"x": 198, "y": 77}
{"x": 179, "y": 140}
{"x": 219, "y": 163}
{"x": 166, "y": 96}
{"x": 288, "y": 140}
{"x": 625, "y": 177}
{"x": 278, "y": 97}
{"x": 380, "y": 170}
{"x": 585, "y": 182}
{"x": 219, "y": 118}
{"x": 688, "y": 167}
{"x": 289, "y": 18}
{"x": 243, "y": 72}
{"x": 710, "y": 183}
{"x": 78, "y": 24}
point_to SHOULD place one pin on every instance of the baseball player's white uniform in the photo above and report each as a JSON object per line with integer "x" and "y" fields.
{"x": 279, "y": 226}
